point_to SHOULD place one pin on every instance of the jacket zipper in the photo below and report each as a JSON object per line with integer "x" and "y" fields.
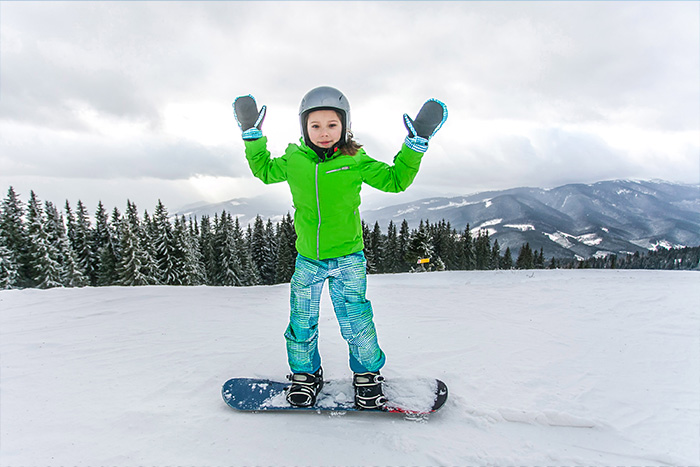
{"x": 318, "y": 229}
{"x": 338, "y": 169}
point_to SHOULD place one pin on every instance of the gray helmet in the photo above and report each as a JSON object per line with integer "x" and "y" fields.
{"x": 325, "y": 97}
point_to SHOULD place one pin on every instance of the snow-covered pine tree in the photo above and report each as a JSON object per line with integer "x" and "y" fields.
{"x": 377, "y": 245}
{"x": 267, "y": 273}
{"x": 467, "y": 243}
{"x": 286, "y": 250}
{"x": 420, "y": 247}
{"x": 71, "y": 273}
{"x": 15, "y": 237}
{"x": 229, "y": 263}
{"x": 43, "y": 255}
{"x": 101, "y": 236}
{"x": 167, "y": 258}
{"x": 444, "y": 244}
{"x": 391, "y": 249}
{"x": 207, "y": 243}
{"x": 70, "y": 224}
{"x": 258, "y": 246}
{"x": 110, "y": 249}
{"x": 9, "y": 268}
{"x": 186, "y": 263}
{"x": 134, "y": 265}
{"x": 249, "y": 274}
{"x": 369, "y": 253}
{"x": 482, "y": 250}
{"x": 404, "y": 242}
{"x": 194, "y": 272}
{"x": 83, "y": 243}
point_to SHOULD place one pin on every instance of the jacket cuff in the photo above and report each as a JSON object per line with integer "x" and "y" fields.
{"x": 417, "y": 143}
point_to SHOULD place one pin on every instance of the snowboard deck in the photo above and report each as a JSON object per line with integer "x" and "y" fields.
{"x": 412, "y": 397}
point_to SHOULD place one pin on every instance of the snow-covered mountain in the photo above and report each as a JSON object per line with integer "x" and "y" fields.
{"x": 585, "y": 220}
{"x": 572, "y": 220}
{"x": 246, "y": 209}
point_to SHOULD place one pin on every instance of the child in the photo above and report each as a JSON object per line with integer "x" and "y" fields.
{"x": 325, "y": 173}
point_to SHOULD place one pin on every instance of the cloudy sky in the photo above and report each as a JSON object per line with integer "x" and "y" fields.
{"x": 132, "y": 100}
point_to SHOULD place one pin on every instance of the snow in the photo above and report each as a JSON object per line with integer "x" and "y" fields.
{"x": 486, "y": 225}
{"x": 575, "y": 367}
{"x": 561, "y": 238}
{"x": 590, "y": 239}
{"x": 402, "y": 212}
{"x": 453, "y": 204}
{"x": 521, "y": 227}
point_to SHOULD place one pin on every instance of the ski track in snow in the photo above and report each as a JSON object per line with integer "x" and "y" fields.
{"x": 543, "y": 367}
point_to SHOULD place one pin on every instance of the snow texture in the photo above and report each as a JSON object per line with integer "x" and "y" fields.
{"x": 582, "y": 367}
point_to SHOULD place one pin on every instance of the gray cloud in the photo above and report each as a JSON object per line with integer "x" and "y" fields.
{"x": 560, "y": 68}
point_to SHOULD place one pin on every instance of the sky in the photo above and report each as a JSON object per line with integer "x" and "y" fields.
{"x": 116, "y": 101}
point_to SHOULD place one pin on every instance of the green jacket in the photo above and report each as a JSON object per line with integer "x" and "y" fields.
{"x": 326, "y": 195}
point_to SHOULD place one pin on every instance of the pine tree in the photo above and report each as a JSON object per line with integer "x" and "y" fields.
{"x": 525, "y": 258}
{"x": 43, "y": 255}
{"x": 165, "y": 254}
{"x": 207, "y": 247}
{"x": 507, "y": 259}
{"x": 110, "y": 251}
{"x": 83, "y": 244}
{"x": 420, "y": 247}
{"x": 195, "y": 271}
{"x": 404, "y": 241}
{"x": 391, "y": 250}
{"x": 15, "y": 239}
{"x": 262, "y": 246}
{"x": 495, "y": 262}
{"x": 248, "y": 273}
{"x": 187, "y": 262}
{"x": 70, "y": 224}
{"x": 135, "y": 264}
{"x": 368, "y": 252}
{"x": 376, "y": 242}
{"x": 539, "y": 259}
{"x": 267, "y": 273}
{"x": 71, "y": 273}
{"x": 443, "y": 244}
{"x": 9, "y": 269}
{"x": 286, "y": 250}
{"x": 101, "y": 236}
{"x": 469, "y": 256}
{"x": 482, "y": 250}
{"x": 229, "y": 272}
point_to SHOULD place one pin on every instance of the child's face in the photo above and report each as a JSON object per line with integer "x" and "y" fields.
{"x": 324, "y": 128}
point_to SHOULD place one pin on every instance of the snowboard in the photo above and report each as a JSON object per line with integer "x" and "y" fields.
{"x": 411, "y": 397}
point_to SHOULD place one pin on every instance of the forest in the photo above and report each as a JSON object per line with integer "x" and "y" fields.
{"x": 44, "y": 247}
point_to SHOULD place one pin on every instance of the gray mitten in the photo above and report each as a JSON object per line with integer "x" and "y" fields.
{"x": 429, "y": 120}
{"x": 245, "y": 111}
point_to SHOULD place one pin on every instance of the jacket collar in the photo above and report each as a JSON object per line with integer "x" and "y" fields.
{"x": 316, "y": 154}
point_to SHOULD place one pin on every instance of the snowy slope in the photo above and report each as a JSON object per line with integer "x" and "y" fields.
{"x": 544, "y": 368}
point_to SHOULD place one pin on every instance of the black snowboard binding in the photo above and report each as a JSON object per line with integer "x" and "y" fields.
{"x": 305, "y": 387}
{"x": 368, "y": 391}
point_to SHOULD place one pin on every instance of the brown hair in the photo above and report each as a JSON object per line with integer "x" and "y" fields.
{"x": 349, "y": 147}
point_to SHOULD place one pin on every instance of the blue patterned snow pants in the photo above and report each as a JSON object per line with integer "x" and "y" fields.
{"x": 347, "y": 281}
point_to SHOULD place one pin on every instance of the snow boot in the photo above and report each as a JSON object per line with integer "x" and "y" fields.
{"x": 368, "y": 390}
{"x": 305, "y": 387}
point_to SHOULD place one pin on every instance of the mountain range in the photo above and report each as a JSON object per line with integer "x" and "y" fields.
{"x": 574, "y": 220}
